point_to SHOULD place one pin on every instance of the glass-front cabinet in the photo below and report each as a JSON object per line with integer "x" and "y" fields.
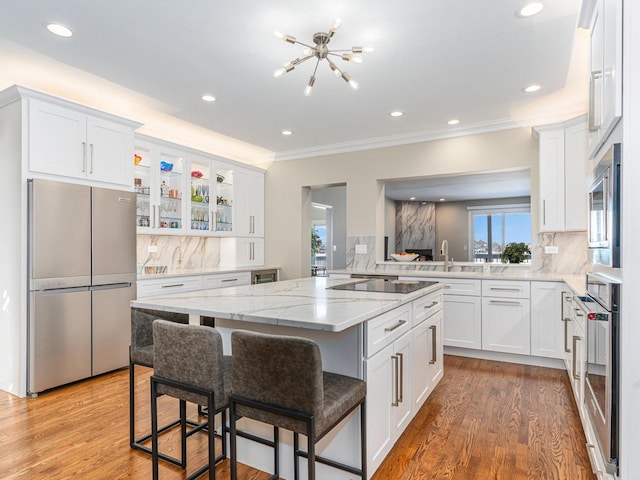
{"x": 199, "y": 213}
{"x": 159, "y": 187}
{"x": 224, "y": 200}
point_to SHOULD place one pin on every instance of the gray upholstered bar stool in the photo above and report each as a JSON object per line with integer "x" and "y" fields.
{"x": 188, "y": 365}
{"x": 141, "y": 353}
{"x": 279, "y": 380}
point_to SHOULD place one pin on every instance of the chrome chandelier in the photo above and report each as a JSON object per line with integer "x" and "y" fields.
{"x": 320, "y": 51}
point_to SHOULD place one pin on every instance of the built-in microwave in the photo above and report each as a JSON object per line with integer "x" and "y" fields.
{"x": 604, "y": 210}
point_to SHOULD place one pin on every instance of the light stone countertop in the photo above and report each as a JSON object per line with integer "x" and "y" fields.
{"x": 301, "y": 303}
{"x": 577, "y": 283}
{"x": 203, "y": 271}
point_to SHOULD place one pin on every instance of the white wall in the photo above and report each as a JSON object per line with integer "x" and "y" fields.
{"x": 362, "y": 171}
{"x": 630, "y": 323}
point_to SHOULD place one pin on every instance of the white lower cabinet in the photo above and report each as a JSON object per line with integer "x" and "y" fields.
{"x": 506, "y": 324}
{"x": 389, "y": 401}
{"x": 547, "y": 327}
{"x": 463, "y": 321}
{"x": 404, "y": 362}
{"x": 167, "y": 286}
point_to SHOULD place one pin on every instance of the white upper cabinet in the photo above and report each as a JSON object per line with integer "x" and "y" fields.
{"x": 72, "y": 143}
{"x": 250, "y": 203}
{"x": 563, "y": 176}
{"x": 605, "y": 87}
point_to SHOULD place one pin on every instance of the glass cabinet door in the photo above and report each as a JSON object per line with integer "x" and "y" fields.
{"x": 142, "y": 185}
{"x": 199, "y": 213}
{"x": 224, "y": 200}
{"x": 170, "y": 168}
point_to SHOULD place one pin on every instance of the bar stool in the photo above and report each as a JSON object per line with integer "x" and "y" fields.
{"x": 279, "y": 380}
{"x": 141, "y": 353}
{"x": 188, "y": 365}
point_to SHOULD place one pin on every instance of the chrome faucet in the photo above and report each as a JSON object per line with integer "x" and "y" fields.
{"x": 444, "y": 252}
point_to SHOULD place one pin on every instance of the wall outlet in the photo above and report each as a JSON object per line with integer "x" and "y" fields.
{"x": 361, "y": 248}
{"x": 152, "y": 248}
{"x": 551, "y": 249}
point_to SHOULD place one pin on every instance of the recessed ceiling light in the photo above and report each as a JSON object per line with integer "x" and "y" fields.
{"x": 453, "y": 121}
{"x": 59, "y": 30}
{"x": 412, "y": 198}
{"x": 442, "y": 199}
{"x": 530, "y": 9}
{"x": 208, "y": 98}
{"x": 397, "y": 113}
{"x": 532, "y": 88}
{"x": 286, "y": 132}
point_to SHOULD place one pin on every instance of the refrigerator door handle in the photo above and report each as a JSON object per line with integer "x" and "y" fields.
{"x": 110, "y": 286}
{"x": 62, "y": 291}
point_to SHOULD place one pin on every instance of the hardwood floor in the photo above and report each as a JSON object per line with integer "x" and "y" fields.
{"x": 485, "y": 421}
{"x": 490, "y": 421}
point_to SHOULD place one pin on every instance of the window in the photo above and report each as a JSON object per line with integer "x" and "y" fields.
{"x": 492, "y": 227}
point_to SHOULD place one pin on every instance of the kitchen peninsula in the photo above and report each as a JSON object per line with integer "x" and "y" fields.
{"x": 391, "y": 340}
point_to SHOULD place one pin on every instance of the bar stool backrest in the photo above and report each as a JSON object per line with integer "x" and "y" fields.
{"x": 191, "y": 355}
{"x": 279, "y": 370}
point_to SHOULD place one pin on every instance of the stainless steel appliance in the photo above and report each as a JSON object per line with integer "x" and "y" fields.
{"x": 264, "y": 276}
{"x": 384, "y": 285}
{"x": 602, "y": 306}
{"x": 604, "y": 210}
{"x": 82, "y": 269}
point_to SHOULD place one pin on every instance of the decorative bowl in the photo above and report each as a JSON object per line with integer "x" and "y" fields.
{"x": 166, "y": 166}
{"x": 407, "y": 257}
{"x": 220, "y": 178}
{"x": 196, "y": 174}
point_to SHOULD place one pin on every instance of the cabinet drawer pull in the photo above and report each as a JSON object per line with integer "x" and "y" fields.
{"x": 447, "y": 285}
{"x": 401, "y": 376}
{"x": 84, "y": 157}
{"x": 173, "y": 285}
{"x": 91, "y": 148}
{"x": 434, "y": 344}
{"x": 397, "y": 325}
{"x": 229, "y": 280}
{"x": 566, "y": 335}
{"x": 396, "y": 400}
{"x": 432, "y": 304}
{"x": 505, "y": 289}
{"x": 504, "y": 302}
{"x": 575, "y": 341}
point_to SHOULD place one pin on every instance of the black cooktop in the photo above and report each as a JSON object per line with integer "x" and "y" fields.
{"x": 382, "y": 285}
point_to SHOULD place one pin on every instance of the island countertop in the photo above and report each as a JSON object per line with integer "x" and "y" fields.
{"x": 301, "y": 303}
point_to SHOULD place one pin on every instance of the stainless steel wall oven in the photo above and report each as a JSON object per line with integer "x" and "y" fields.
{"x": 602, "y": 385}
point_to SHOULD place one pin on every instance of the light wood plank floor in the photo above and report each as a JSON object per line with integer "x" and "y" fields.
{"x": 485, "y": 421}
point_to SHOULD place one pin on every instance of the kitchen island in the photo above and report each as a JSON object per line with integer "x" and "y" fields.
{"x": 391, "y": 340}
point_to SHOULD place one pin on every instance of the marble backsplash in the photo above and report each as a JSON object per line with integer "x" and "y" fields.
{"x": 571, "y": 258}
{"x": 415, "y": 226}
{"x": 178, "y": 253}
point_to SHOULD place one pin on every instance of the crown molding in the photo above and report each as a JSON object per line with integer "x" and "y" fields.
{"x": 431, "y": 135}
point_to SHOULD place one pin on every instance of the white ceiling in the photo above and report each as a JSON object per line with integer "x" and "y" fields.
{"x": 461, "y": 187}
{"x": 466, "y": 59}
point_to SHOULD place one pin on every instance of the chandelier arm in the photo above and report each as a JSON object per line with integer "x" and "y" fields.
{"x": 316, "y": 69}
{"x": 303, "y": 44}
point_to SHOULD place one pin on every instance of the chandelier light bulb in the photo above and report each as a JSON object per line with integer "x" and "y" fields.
{"x": 306, "y": 51}
{"x": 368, "y": 49}
{"x": 336, "y": 24}
{"x": 279, "y": 72}
{"x": 278, "y": 34}
{"x": 307, "y": 90}
{"x": 355, "y": 85}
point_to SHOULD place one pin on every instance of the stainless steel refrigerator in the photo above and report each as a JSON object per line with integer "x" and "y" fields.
{"x": 82, "y": 269}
